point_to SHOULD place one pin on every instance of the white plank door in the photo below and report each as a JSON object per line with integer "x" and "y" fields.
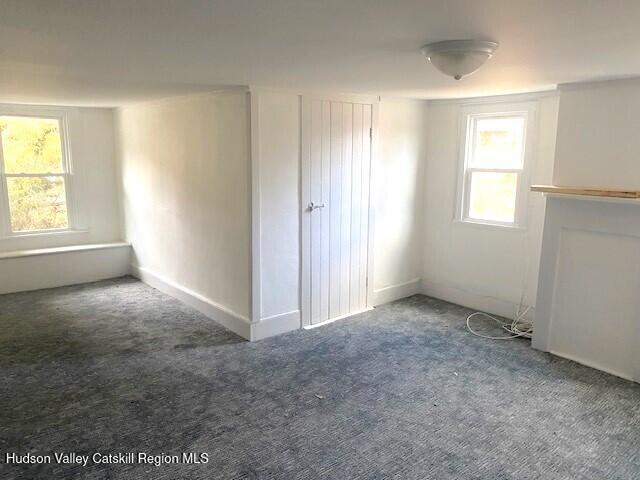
{"x": 336, "y": 168}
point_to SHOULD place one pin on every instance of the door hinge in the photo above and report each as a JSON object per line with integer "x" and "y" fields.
{"x": 370, "y": 133}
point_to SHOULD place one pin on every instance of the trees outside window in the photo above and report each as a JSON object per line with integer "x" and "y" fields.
{"x": 35, "y": 173}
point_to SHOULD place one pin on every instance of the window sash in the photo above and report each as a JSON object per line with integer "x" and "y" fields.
{"x": 467, "y": 197}
{"x": 9, "y": 227}
{"x": 6, "y": 229}
{"x": 472, "y": 137}
{"x": 31, "y": 175}
{"x": 494, "y": 170}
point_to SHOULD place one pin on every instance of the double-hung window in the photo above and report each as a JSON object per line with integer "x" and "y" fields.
{"x": 495, "y": 157}
{"x": 35, "y": 174}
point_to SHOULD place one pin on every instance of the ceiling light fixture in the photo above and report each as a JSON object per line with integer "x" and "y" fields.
{"x": 459, "y": 58}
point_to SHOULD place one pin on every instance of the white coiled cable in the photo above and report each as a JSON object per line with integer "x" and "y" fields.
{"x": 519, "y": 327}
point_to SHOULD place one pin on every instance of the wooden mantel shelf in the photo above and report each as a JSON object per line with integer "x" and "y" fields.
{"x": 591, "y": 192}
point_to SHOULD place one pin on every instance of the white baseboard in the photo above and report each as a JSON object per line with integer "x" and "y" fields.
{"x": 335, "y": 319}
{"x": 58, "y": 267}
{"x": 596, "y": 365}
{"x": 476, "y": 301}
{"x": 222, "y": 315}
{"x": 275, "y": 325}
{"x": 395, "y": 292}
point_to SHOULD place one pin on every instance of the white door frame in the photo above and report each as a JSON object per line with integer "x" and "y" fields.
{"x": 305, "y": 197}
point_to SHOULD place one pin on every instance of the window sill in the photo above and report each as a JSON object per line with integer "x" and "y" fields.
{"x": 45, "y": 233}
{"x": 54, "y": 250}
{"x": 491, "y": 226}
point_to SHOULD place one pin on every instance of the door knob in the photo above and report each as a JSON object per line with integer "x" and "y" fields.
{"x": 313, "y": 206}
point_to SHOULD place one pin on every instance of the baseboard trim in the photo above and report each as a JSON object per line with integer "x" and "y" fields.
{"x": 596, "y": 365}
{"x": 222, "y": 315}
{"x": 476, "y": 301}
{"x": 275, "y": 325}
{"x": 397, "y": 291}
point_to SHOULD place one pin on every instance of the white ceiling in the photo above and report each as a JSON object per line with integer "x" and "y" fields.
{"x": 108, "y": 52}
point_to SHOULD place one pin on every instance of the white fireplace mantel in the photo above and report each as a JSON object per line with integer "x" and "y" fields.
{"x": 628, "y": 201}
{"x": 588, "y": 303}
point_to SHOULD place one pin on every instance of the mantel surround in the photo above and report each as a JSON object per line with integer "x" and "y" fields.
{"x": 588, "y": 301}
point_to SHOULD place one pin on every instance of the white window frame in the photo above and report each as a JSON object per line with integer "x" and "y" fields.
{"x": 468, "y": 115}
{"x": 60, "y": 114}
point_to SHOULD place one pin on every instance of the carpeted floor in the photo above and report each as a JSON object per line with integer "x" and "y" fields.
{"x": 401, "y": 392}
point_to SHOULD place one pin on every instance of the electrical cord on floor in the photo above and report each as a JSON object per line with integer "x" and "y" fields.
{"x": 519, "y": 327}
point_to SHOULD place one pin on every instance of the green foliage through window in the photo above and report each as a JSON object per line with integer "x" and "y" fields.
{"x": 34, "y": 173}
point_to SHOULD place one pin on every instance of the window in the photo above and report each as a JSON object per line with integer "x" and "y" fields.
{"x": 493, "y": 180}
{"x": 35, "y": 174}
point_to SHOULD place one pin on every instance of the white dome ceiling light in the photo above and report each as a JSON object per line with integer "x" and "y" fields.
{"x": 459, "y": 58}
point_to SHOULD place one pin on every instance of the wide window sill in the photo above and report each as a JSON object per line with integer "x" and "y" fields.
{"x": 55, "y": 250}
{"x": 490, "y": 226}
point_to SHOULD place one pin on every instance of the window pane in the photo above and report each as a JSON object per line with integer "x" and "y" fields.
{"x": 31, "y": 145}
{"x": 498, "y": 142}
{"x": 492, "y": 196}
{"x": 37, "y": 203}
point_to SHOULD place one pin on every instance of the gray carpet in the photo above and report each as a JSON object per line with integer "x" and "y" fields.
{"x": 401, "y": 392}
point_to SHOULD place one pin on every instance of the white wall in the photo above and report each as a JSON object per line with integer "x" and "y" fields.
{"x": 481, "y": 267}
{"x": 91, "y": 138}
{"x": 398, "y": 196}
{"x": 23, "y": 266}
{"x": 598, "y": 135}
{"x": 588, "y": 286}
{"x": 185, "y": 193}
{"x": 278, "y": 159}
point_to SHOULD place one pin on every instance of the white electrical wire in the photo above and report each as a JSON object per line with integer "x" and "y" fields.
{"x": 519, "y": 327}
